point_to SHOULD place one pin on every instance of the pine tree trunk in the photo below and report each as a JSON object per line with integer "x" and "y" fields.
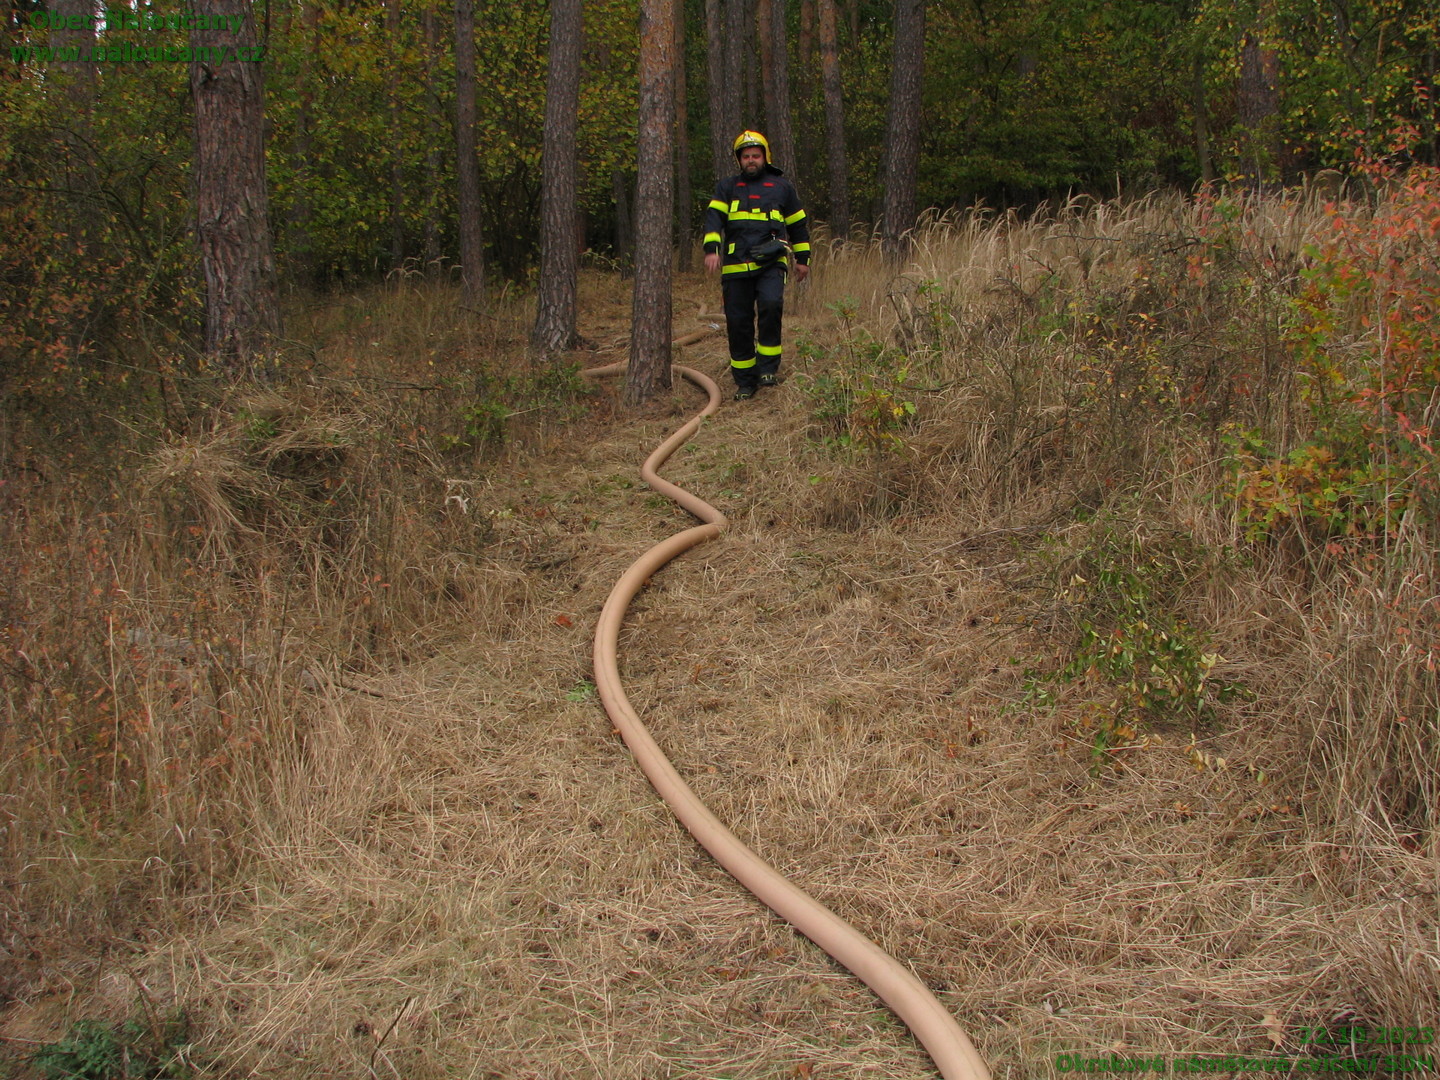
{"x": 739, "y": 32}
{"x": 302, "y": 211}
{"x": 397, "y": 173}
{"x": 723, "y": 126}
{"x": 649, "y": 370}
{"x": 467, "y": 166}
{"x": 836, "y": 159}
{"x": 807, "y": 34}
{"x": 559, "y": 261}
{"x": 806, "y": 93}
{"x": 232, "y": 213}
{"x": 684, "y": 207}
{"x": 1257, "y": 105}
{"x": 750, "y": 67}
{"x": 430, "y": 28}
{"x": 902, "y": 132}
{"x": 782, "y": 132}
{"x": 761, "y": 118}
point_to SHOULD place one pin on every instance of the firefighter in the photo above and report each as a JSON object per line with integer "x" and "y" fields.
{"x": 754, "y": 227}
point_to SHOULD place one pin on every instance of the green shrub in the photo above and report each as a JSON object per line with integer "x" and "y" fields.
{"x": 130, "y": 1050}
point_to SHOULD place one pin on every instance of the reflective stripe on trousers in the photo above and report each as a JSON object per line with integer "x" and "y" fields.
{"x": 754, "y": 303}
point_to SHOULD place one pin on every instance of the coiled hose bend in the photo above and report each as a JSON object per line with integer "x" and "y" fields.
{"x": 948, "y": 1046}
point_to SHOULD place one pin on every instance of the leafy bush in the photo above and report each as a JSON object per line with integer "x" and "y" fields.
{"x": 1122, "y": 602}
{"x": 861, "y": 403}
{"x": 1365, "y": 332}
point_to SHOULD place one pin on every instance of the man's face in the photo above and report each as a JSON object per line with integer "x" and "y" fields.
{"x": 752, "y": 160}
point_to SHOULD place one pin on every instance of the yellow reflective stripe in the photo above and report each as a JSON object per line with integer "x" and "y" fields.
{"x": 743, "y": 363}
{"x": 768, "y": 350}
{"x": 716, "y": 204}
{"x": 800, "y": 247}
{"x": 796, "y": 216}
{"x": 711, "y": 238}
{"x": 739, "y": 268}
{"x": 749, "y": 215}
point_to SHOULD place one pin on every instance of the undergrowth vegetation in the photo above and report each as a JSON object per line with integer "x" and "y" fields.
{"x": 1189, "y": 441}
{"x": 180, "y": 601}
{"x": 1215, "y": 413}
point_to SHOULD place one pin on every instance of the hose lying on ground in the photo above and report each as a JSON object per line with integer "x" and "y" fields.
{"x": 927, "y": 1019}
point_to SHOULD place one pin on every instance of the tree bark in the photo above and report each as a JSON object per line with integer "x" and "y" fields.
{"x": 467, "y": 166}
{"x": 559, "y": 261}
{"x": 739, "y": 32}
{"x": 302, "y": 212}
{"x": 396, "y": 133}
{"x": 836, "y": 160}
{"x": 782, "y": 132}
{"x": 752, "y": 109}
{"x": 723, "y": 126}
{"x": 649, "y": 370}
{"x": 902, "y": 130}
{"x": 807, "y": 34}
{"x": 684, "y": 209}
{"x": 1257, "y": 106}
{"x": 434, "y": 117}
{"x": 232, "y": 212}
{"x": 761, "y": 118}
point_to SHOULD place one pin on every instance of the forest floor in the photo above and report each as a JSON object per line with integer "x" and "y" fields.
{"x": 464, "y": 874}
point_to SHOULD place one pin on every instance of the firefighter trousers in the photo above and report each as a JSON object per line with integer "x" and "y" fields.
{"x": 754, "y": 302}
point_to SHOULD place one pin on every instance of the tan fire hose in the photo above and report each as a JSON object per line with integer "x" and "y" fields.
{"x": 930, "y": 1022}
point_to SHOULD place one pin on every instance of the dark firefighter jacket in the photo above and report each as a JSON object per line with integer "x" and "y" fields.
{"x": 745, "y": 213}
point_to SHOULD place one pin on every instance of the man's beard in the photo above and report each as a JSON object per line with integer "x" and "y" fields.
{"x": 752, "y": 171}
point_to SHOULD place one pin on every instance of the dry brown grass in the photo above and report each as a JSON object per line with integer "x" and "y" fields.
{"x": 377, "y": 825}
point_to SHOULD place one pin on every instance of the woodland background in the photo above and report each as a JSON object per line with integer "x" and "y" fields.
{"x": 1076, "y": 635}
